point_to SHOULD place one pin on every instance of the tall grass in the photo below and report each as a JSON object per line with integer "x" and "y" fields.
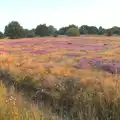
{"x": 71, "y": 98}
{"x": 96, "y": 96}
{"x": 14, "y": 107}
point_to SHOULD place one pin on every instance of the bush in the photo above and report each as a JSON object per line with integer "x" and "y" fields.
{"x": 51, "y": 30}
{"x": 29, "y": 33}
{"x": 73, "y": 31}
{"x": 14, "y": 30}
{"x": 42, "y": 30}
{"x": 108, "y": 32}
{"x": 55, "y": 34}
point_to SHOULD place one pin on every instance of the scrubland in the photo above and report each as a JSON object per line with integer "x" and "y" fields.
{"x": 71, "y": 78}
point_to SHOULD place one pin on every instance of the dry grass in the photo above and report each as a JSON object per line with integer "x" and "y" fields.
{"x": 97, "y": 96}
{"x": 13, "y": 107}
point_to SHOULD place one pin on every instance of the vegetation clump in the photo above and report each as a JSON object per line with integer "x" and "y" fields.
{"x": 73, "y": 31}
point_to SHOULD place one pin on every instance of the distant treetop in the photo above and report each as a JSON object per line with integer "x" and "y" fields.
{"x": 14, "y": 30}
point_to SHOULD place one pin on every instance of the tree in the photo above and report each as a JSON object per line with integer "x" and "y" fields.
{"x": 115, "y": 30}
{"x": 72, "y": 25}
{"x": 51, "y": 30}
{"x": 84, "y": 29}
{"x": 108, "y": 32}
{"x": 63, "y": 30}
{"x": 73, "y": 31}
{"x": 14, "y": 30}
{"x": 1, "y": 35}
{"x": 92, "y": 30}
{"x": 101, "y": 30}
{"x": 29, "y": 33}
{"x": 42, "y": 30}
{"x": 55, "y": 34}
{"x": 88, "y": 30}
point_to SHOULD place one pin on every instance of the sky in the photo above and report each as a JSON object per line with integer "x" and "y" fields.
{"x": 59, "y": 13}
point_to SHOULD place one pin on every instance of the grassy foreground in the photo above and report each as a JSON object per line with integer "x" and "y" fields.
{"x": 13, "y": 107}
{"x": 68, "y": 99}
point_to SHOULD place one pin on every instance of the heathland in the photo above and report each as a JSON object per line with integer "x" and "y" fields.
{"x": 52, "y": 78}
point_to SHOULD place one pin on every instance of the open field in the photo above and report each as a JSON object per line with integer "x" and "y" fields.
{"x": 50, "y": 65}
{"x": 60, "y": 55}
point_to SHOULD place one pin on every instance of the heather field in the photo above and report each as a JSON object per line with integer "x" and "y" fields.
{"x": 76, "y": 78}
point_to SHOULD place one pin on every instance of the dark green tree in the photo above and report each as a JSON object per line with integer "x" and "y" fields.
{"x": 115, "y": 30}
{"x": 63, "y": 30}
{"x": 84, "y": 29}
{"x": 93, "y": 30}
{"x": 51, "y": 30}
{"x": 13, "y": 30}
{"x": 72, "y": 25}
{"x": 42, "y": 30}
{"x": 101, "y": 30}
{"x": 29, "y": 33}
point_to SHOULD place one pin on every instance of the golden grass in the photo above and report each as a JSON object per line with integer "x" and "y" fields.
{"x": 14, "y": 107}
{"x": 103, "y": 84}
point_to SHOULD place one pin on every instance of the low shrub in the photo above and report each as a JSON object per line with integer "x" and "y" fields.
{"x": 73, "y": 31}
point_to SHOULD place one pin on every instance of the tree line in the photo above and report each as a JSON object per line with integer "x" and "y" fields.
{"x": 14, "y": 30}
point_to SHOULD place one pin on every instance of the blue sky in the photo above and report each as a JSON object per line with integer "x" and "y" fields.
{"x": 30, "y": 13}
